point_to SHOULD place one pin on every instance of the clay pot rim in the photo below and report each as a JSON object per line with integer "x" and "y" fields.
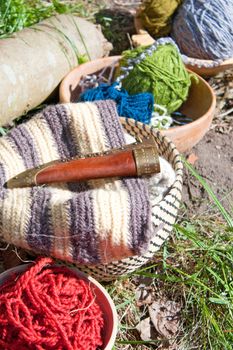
{"x": 64, "y": 88}
{"x": 209, "y": 111}
{"x": 226, "y": 64}
{"x": 20, "y": 268}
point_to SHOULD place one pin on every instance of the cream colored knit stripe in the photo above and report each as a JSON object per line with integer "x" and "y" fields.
{"x": 13, "y": 163}
{"x": 111, "y": 212}
{"x": 60, "y": 212}
{"x": 77, "y": 224}
{"x": 15, "y": 208}
{"x": 15, "y": 216}
{"x": 44, "y": 142}
{"x": 48, "y": 151}
{"x": 62, "y": 246}
{"x": 110, "y": 199}
{"x": 87, "y": 128}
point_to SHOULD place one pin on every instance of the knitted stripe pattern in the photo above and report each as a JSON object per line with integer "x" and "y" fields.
{"x": 89, "y": 222}
{"x": 163, "y": 213}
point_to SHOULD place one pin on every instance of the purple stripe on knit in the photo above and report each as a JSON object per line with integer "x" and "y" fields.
{"x": 23, "y": 143}
{"x": 82, "y": 229}
{"x": 39, "y": 231}
{"x": 3, "y": 192}
{"x": 60, "y": 126}
{"x": 111, "y": 123}
{"x": 140, "y": 212}
{"x": 2, "y": 181}
{"x": 137, "y": 189}
{"x": 39, "y": 228}
{"x": 84, "y": 240}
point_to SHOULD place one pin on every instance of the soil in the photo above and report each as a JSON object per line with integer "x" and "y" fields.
{"x": 215, "y": 164}
{"x": 214, "y": 154}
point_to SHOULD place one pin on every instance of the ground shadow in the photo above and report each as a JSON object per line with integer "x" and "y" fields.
{"x": 117, "y": 26}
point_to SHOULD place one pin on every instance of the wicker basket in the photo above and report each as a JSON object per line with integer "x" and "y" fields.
{"x": 164, "y": 213}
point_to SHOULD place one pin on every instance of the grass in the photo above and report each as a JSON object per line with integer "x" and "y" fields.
{"x": 117, "y": 27}
{"x": 17, "y": 14}
{"x": 195, "y": 269}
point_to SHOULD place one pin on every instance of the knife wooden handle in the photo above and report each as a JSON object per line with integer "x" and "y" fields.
{"x": 112, "y": 165}
{"x": 131, "y": 160}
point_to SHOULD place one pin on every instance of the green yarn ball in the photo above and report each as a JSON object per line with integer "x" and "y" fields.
{"x": 163, "y": 74}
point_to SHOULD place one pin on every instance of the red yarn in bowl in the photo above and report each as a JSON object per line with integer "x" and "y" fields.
{"x": 49, "y": 307}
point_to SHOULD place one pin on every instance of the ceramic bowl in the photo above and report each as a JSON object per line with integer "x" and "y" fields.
{"x": 200, "y": 105}
{"x": 102, "y": 298}
{"x": 144, "y": 38}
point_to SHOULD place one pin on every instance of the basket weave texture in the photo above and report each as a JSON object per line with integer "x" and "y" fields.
{"x": 164, "y": 215}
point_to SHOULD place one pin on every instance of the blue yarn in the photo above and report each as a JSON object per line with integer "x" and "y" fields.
{"x": 138, "y": 106}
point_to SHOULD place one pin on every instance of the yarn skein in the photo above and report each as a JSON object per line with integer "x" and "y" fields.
{"x": 49, "y": 307}
{"x": 138, "y": 107}
{"x": 156, "y": 16}
{"x": 161, "y": 72}
{"x": 204, "y": 29}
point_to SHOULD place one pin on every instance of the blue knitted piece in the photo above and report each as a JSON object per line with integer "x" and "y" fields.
{"x": 138, "y": 107}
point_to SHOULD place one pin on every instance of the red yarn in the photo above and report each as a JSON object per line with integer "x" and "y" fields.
{"x": 49, "y": 307}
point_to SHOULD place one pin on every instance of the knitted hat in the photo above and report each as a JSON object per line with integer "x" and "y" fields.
{"x": 88, "y": 222}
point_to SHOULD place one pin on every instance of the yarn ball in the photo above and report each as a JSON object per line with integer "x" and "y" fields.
{"x": 156, "y": 16}
{"x": 204, "y": 29}
{"x": 49, "y": 307}
{"x": 139, "y": 107}
{"x": 162, "y": 73}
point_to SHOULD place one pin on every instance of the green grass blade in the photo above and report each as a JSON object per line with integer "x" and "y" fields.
{"x": 222, "y": 210}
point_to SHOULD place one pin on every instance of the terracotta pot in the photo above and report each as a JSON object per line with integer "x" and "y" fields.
{"x": 200, "y": 105}
{"x": 144, "y": 38}
{"x": 102, "y": 298}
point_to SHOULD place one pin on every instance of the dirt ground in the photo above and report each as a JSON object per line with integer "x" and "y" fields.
{"x": 215, "y": 164}
{"x": 214, "y": 154}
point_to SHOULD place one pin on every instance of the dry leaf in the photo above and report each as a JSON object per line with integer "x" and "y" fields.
{"x": 192, "y": 158}
{"x": 144, "y": 329}
{"x": 165, "y": 316}
{"x": 144, "y": 295}
{"x": 168, "y": 347}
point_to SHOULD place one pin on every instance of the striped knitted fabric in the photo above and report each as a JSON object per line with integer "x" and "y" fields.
{"x": 90, "y": 222}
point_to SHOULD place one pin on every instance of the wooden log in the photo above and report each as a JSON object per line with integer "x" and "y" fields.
{"x": 35, "y": 60}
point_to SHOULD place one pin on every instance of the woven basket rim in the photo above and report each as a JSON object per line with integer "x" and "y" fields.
{"x": 156, "y": 132}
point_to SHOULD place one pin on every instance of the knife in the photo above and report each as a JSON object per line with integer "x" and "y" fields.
{"x": 136, "y": 159}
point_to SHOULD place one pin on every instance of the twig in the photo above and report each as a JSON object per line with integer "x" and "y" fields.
{"x": 226, "y": 113}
